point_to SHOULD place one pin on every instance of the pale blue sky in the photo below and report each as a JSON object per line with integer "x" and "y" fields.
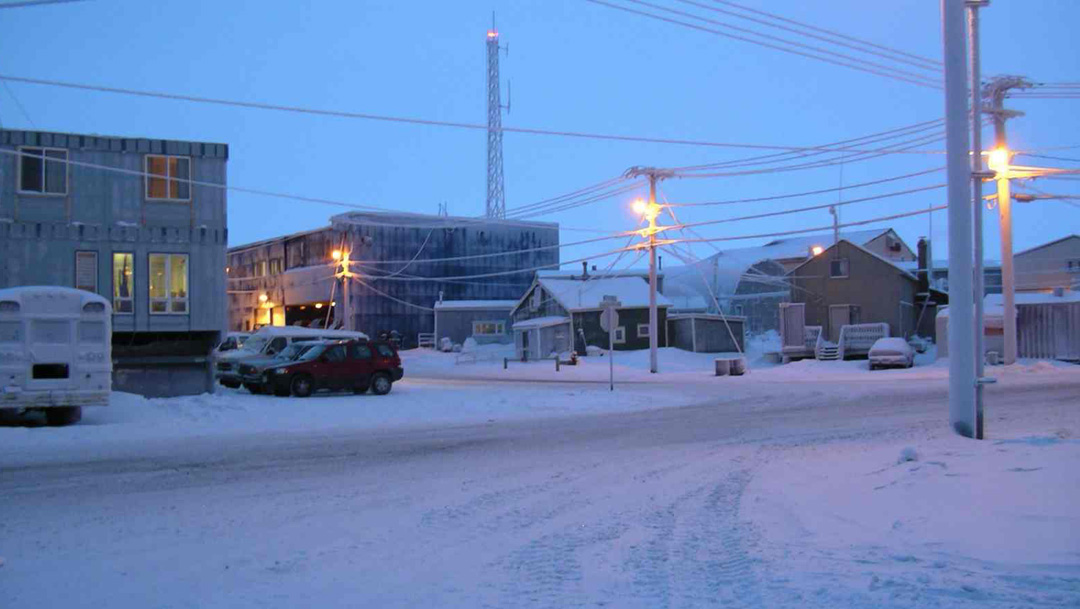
{"x": 574, "y": 66}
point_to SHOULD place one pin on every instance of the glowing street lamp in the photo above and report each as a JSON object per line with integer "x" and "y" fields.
{"x": 336, "y": 255}
{"x": 263, "y": 297}
{"x": 998, "y": 160}
{"x": 816, "y": 250}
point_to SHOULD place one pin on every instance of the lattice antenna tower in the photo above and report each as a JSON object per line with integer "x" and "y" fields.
{"x": 496, "y": 195}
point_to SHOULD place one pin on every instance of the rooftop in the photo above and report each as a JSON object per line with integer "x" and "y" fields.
{"x": 576, "y": 295}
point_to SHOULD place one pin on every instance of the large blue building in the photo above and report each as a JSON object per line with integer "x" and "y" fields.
{"x": 405, "y": 264}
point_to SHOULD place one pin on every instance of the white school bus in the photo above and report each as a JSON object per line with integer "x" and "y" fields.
{"x": 55, "y": 351}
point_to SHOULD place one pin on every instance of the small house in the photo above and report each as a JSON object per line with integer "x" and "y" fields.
{"x": 559, "y": 314}
{"x": 485, "y": 321}
{"x": 848, "y": 284}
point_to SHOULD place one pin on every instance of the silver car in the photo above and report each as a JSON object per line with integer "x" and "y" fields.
{"x": 890, "y": 353}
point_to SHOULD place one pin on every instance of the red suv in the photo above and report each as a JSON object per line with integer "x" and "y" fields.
{"x": 343, "y": 365}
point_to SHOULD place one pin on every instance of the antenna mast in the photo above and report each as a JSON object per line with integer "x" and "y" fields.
{"x": 496, "y": 197}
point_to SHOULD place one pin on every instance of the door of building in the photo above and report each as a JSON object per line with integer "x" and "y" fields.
{"x": 839, "y": 316}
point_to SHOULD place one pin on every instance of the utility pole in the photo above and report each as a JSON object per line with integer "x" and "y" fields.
{"x": 346, "y": 294}
{"x": 977, "y": 174}
{"x": 958, "y": 167}
{"x": 996, "y": 91}
{"x": 651, "y": 211}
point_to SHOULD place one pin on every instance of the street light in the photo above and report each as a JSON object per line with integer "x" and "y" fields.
{"x": 816, "y": 250}
{"x": 998, "y": 160}
{"x": 263, "y": 297}
{"x": 336, "y": 255}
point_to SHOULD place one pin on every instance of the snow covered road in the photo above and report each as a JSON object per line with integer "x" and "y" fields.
{"x": 757, "y": 495}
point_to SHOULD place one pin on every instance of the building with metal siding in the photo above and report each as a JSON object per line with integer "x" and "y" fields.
{"x": 848, "y": 284}
{"x": 401, "y": 259}
{"x": 64, "y": 221}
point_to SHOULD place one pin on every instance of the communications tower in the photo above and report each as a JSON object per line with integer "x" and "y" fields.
{"x": 496, "y": 197}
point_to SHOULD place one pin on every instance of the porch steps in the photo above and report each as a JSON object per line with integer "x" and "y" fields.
{"x": 828, "y": 352}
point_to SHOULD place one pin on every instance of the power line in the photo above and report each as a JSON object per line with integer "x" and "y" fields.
{"x": 854, "y": 66}
{"x": 815, "y": 229}
{"x": 448, "y": 223}
{"x": 807, "y": 193}
{"x": 401, "y": 119}
{"x": 779, "y": 40}
{"x": 927, "y": 60}
{"x": 868, "y": 48}
{"x": 805, "y": 209}
{"x": 27, "y": 3}
{"x": 779, "y": 157}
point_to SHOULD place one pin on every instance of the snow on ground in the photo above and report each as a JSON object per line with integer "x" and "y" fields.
{"x": 962, "y": 524}
{"x": 814, "y": 484}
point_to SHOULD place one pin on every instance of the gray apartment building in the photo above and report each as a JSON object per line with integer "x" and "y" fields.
{"x": 134, "y": 220}
{"x": 405, "y": 264}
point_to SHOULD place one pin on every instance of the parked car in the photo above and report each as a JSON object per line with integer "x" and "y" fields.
{"x": 232, "y": 342}
{"x": 891, "y": 352}
{"x": 251, "y": 371}
{"x": 269, "y": 341}
{"x": 350, "y": 365}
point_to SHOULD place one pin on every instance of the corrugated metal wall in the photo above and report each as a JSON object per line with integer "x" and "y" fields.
{"x": 1048, "y": 331}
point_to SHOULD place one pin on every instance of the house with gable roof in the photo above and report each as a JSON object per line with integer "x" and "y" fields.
{"x": 560, "y": 313}
{"x": 848, "y": 284}
{"x": 753, "y": 281}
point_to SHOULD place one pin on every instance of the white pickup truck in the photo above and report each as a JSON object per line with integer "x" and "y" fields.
{"x": 55, "y": 351}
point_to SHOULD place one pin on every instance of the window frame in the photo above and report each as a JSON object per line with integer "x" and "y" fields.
{"x": 44, "y": 161}
{"x": 169, "y": 179}
{"x": 131, "y": 287}
{"x": 168, "y": 285}
{"x": 500, "y": 328}
{"x": 847, "y": 268}
{"x": 620, "y": 335}
{"x": 88, "y": 254}
{"x": 646, "y": 334}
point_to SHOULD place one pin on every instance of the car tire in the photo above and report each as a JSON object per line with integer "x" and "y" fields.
{"x": 301, "y": 385}
{"x": 253, "y": 389}
{"x": 381, "y": 384}
{"x": 67, "y": 415}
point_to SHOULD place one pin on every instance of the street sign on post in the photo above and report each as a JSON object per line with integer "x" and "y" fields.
{"x": 609, "y": 320}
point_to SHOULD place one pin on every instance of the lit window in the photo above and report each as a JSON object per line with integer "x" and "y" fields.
{"x": 168, "y": 283}
{"x": 43, "y": 171}
{"x": 838, "y": 267}
{"x": 488, "y": 328}
{"x": 643, "y": 330}
{"x": 123, "y": 282}
{"x": 168, "y": 177}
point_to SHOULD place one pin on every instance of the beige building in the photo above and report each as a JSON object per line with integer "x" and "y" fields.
{"x": 1049, "y": 266}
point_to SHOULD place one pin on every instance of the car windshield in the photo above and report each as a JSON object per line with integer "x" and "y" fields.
{"x": 312, "y": 353}
{"x": 255, "y": 344}
{"x": 292, "y": 351}
{"x": 302, "y": 348}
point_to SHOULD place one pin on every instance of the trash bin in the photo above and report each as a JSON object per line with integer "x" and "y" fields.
{"x": 723, "y": 367}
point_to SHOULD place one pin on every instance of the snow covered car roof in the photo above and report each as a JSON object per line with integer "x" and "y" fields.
{"x": 891, "y": 344}
{"x": 275, "y": 331}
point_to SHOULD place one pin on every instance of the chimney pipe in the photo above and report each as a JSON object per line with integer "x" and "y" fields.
{"x": 923, "y": 272}
{"x": 584, "y": 269}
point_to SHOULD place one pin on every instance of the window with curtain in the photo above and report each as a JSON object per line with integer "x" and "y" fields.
{"x": 168, "y": 283}
{"x": 168, "y": 177}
